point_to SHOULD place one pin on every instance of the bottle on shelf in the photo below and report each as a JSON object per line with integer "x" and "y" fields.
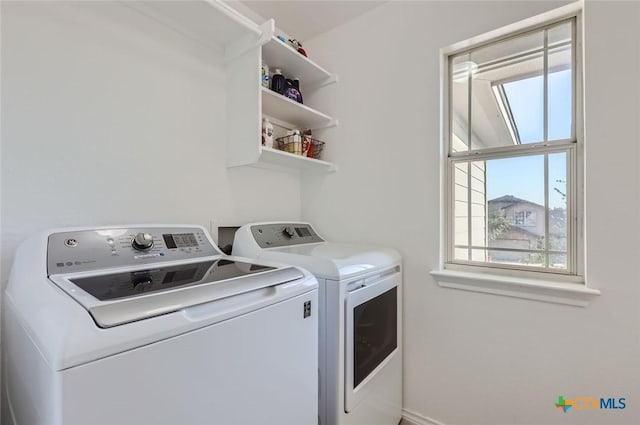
{"x": 267, "y": 133}
{"x": 264, "y": 76}
{"x": 278, "y": 82}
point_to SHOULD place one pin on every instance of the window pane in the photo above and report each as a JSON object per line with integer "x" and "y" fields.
{"x": 559, "y": 35}
{"x": 461, "y": 210}
{"x": 517, "y": 178}
{"x": 509, "y": 213}
{"x": 478, "y": 204}
{"x": 516, "y": 211}
{"x": 560, "y": 84}
{"x": 479, "y": 255}
{"x": 535, "y": 259}
{"x": 507, "y": 94}
{"x": 560, "y": 105}
{"x": 525, "y": 99}
{"x": 461, "y": 68}
{"x": 558, "y": 209}
{"x": 558, "y": 261}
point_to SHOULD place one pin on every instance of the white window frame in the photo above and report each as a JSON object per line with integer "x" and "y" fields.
{"x": 523, "y": 282}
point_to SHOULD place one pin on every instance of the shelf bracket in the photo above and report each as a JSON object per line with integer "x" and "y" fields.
{"x": 331, "y": 80}
{"x": 329, "y": 124}
{"x": 267, "y": 29}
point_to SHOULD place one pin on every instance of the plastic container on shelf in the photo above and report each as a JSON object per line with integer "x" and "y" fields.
{"x": 278, "y": 83}
{"x": 292, "y": 90}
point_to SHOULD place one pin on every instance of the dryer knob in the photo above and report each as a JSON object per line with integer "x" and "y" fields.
{"x": 288, "y": 232}
{"x": 142, "y": 241}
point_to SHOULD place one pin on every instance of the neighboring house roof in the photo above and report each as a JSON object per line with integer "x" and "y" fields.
{"x": 509, "y": 200}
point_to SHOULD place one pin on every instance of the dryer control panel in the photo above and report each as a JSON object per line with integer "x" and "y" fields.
{"x": 85, "y": 250}
{"x": 275, "y": 235}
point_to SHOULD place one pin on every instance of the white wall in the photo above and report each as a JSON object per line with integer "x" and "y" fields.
{"x": 109, "y": 118}
{"x": 474, "y": 358}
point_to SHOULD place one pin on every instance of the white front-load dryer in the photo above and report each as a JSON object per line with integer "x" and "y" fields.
{"x": 153, "y": 325}
{"x": 360, "y": 313}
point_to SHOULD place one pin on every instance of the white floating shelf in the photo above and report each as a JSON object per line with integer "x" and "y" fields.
{"x": 210, "y": 22}
{"x": 290, "y": 160}
{"x": 278, "y": 54}
{"x": 292, "y": 112}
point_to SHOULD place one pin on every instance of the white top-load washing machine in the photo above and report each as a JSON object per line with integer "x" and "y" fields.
{"x": 153, "y": 325}
{"x": 360, "y": 318}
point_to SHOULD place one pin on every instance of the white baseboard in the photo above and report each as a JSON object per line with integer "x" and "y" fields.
{"x": 415, "y": 418}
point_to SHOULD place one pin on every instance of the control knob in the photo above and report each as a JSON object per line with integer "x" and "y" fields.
{"x": 288, "y": 232}
{"x": 142, "y": 241}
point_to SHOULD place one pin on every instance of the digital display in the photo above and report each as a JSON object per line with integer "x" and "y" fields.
{"x": 303, "y": 232}
{"x": 180, "y": 240}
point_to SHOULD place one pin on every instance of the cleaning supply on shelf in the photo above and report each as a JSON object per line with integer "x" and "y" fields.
{"x": 307, "y": 145}
{"x": 264, "y": 75}
{"x": 298, "y": 46}
{"x": 278, "y": 83}
{"x": 267, "y": 133}
{"x": 292, "y": 90}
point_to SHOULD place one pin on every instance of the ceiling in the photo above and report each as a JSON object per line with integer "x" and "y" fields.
{"x": 303, "y": 20}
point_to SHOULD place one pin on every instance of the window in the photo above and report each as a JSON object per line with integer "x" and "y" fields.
{"x": 525, "y": 218}
{"x": 513, "y": 147}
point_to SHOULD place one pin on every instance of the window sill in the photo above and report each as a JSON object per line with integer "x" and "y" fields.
{"x": 574, "y": 294}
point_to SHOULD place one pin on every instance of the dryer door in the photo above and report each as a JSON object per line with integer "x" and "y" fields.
{"x": 371, "y": 335}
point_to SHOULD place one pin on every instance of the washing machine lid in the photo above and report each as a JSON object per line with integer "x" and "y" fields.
{"x": 336, "y": 261}
{"x": 130, "y": 294}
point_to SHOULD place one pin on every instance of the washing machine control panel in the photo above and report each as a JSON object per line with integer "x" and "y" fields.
{"x": 88, "y": 250}
{"x": 284, "y": 234}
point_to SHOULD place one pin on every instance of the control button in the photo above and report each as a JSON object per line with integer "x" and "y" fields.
{"x": 71, "y": 243}
{"x": 77, "y": 263}
{"x": 142, "y": 241}
{"x": 110, "y": 241}
{"x": 288, "y": 232}
{"x": 69, "y": 263}
{"x": 114, "y": 252}
{"x": 60, "y": 264}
